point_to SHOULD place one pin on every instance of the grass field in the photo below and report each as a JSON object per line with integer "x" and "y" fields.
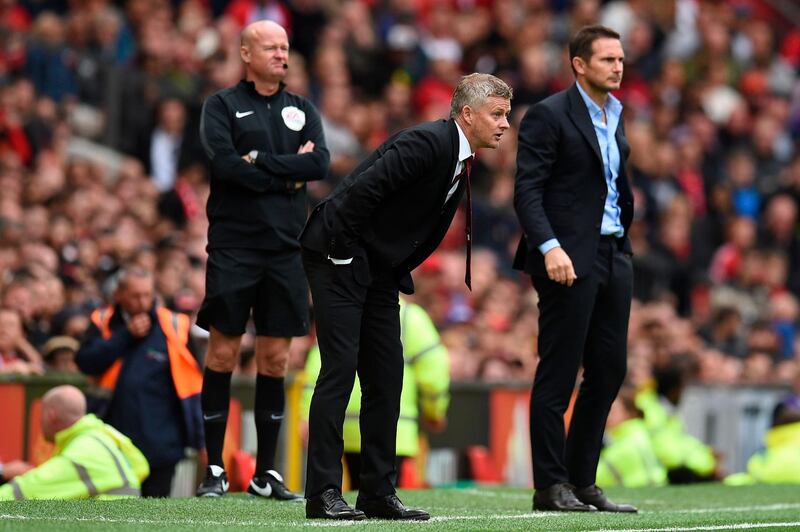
{"x": 706, "y": 507}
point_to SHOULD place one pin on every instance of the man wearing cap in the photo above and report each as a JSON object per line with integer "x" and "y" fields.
{"x": 59, "y": 354}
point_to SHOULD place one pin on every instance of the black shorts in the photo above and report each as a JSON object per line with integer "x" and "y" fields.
{"x": 271, "y": 284}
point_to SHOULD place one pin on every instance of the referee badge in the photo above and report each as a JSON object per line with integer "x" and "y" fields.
{"x": 293, "y": 117}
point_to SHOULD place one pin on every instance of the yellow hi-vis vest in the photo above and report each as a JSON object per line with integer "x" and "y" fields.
{"x": 426, "y": 382}
{"x": 673, "y": 445}
{"x": 91, "y": 460}
{"x": 779, "y": 463}
{"x": 629, "y": 459}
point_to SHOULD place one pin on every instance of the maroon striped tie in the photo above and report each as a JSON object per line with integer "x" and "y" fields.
{"x": 468, "y": 225}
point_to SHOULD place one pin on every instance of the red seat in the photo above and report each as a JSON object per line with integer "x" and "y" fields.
{"x": 409, "y": 477}
{"x": 244, "y": 467}
{"x": 482, "y": 466}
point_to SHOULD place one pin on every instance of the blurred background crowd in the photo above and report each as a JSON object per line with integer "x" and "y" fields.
{"x": 101, "y": 164}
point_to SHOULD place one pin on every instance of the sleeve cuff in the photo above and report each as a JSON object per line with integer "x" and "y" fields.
{"x": 548, "y": 245}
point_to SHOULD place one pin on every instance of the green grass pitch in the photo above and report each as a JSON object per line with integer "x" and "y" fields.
{"x": 694, "y": 508}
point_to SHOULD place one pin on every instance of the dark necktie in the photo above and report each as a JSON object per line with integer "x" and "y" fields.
{"x": 468, "y": 226}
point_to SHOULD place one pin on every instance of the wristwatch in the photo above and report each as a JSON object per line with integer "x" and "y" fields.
{"x": 253, "y": 154}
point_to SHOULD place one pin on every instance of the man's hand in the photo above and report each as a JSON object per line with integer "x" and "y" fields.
{"x": 21, "y": 367}
{"x": 308, "y": 147}
{"x": 15, "y": 468}
{"x": 139, "y": 325}
{"x": 559, "y": 266}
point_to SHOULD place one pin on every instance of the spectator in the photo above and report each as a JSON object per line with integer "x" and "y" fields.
{"x": 742, "y": 177}
{"x": 17, "y": 355}
{"x": 48, "y": 60}
{"x": 725, "y": 332}
{"x": 59, "y": 354}
{"x": 164, "y": 146}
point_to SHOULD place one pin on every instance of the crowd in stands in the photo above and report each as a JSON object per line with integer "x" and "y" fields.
{"x": 101, "y": 164}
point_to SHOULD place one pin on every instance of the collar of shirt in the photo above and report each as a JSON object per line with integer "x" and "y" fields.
{"x": 613, "y": 106}
{"x": 464, "y": 150}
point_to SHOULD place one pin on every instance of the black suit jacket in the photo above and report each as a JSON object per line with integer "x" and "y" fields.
{"x": 560, "y": 188}
{"x": 391, "y": 209}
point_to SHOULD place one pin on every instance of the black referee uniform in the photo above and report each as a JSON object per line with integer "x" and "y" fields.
{"x": 255, "y": 213}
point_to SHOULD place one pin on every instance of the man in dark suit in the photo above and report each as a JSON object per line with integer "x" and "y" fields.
{"x": 359, "y": 247}
{"x": 575, "y": 205}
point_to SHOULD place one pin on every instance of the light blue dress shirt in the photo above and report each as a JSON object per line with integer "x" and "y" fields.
{"x": 612, "y": 214}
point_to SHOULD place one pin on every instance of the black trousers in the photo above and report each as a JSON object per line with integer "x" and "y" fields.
{"x": 353, "y": 463}
{"x": 159, "y": 483}
{"x": 585, "y": 324}
{"x": 356, "y": 310}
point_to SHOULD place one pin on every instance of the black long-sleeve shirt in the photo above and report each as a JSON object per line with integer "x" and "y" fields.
{"x": 256, "y": 205}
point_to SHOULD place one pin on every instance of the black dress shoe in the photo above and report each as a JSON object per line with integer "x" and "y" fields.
{"x": 390, "y": 507}
{"x": 559, "y": 498}
{"x": 595, "y": 496}
{"x": 330, "y": 505}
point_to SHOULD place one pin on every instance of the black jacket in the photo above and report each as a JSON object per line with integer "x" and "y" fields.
{"x": 255, "y": 205}
{"x": 391, "y": 208}
{"x": 560, "y": 188}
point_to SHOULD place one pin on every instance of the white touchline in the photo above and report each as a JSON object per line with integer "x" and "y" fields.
{"x": 135, "y": 521}
{"x": 445, "y": 518}
{"x": 487, "y": 493}
{"x": 736, "y": 526}
{"x": 734, "y": 509}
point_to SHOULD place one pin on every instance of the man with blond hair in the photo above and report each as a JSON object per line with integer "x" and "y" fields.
{"x": 359, "y": 247}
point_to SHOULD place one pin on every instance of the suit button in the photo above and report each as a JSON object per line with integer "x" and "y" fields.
{"x": 597, "y": 226}
{"x": 415, "y": 243}
{"x": 602, "y": 196}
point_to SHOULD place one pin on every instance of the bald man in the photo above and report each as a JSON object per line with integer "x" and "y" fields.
{"x": 90, "y": 460}
{"x": 62, "y": 407}
{"x": 263, "y": 144}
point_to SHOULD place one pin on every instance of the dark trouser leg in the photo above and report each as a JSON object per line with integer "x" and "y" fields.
{"x": 353, "y": 463}
{"x": 564, "y": 314}
{"x": 380, "y": 371}
{"x": 338, "y": 306}
{"x": 604, "y": 363}
{"x": 159, "y": 483}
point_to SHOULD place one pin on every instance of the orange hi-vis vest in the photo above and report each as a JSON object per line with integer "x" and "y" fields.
{"x": 186, "y": 374}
